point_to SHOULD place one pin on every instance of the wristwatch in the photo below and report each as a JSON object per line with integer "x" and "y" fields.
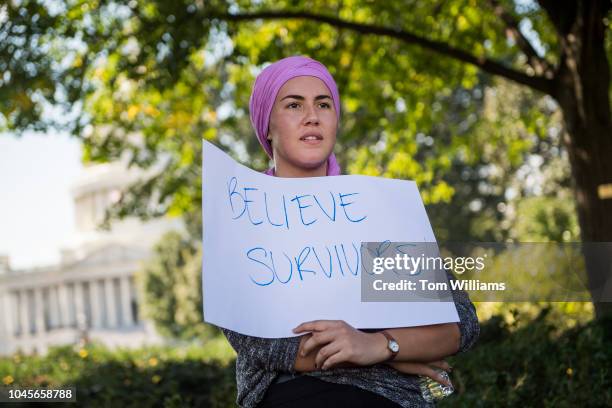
{"x": 392, "y": 345}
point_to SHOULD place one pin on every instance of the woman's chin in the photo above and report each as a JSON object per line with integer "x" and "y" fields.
{"x": 312, "y": 159}
{"x": 312, "y": 162}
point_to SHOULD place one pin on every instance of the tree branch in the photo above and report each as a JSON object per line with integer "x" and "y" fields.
{"x": 488, "y": 65}
{"x": 538, "y": 63}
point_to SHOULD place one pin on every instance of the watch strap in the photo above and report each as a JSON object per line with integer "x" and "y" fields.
{"x": 389, "y": 339}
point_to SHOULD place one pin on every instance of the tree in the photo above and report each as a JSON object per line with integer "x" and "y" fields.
{"x": 172, "y": 291}
{"x": 577, "y": 76}
{"x": 161, "y": 69}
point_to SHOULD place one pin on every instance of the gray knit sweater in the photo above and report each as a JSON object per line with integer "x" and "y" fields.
{"x": 261, "y": 360}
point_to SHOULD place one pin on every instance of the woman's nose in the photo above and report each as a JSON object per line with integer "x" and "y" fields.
{"x": 311, "y": 117}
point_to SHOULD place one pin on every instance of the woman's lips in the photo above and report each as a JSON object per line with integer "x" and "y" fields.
{"x": 313, "y": 139}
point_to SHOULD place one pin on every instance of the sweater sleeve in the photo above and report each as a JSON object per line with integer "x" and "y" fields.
{"x": 468, "y": 320}
{"x": 269, "y": 354}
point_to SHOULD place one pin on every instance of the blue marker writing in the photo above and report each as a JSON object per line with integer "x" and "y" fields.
{"x": 344, "y": 205}
{"x": 246, "y": 204}
{"x": 232, "y": 193}
{"x": 321, "y": 265}
{"x": 268, "y": 214}
{"x": 333, "y": 216}
{"x": 357, "y": 257}
{"x": 290, "y": 269}
{"x": 299, "y": 261}
{"x": 302, "y": 207}
{"x": 251, "y": 256}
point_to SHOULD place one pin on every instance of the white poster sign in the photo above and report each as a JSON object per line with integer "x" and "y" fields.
{"x": 278, "y": 252}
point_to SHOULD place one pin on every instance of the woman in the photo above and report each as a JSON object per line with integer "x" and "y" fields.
{"x": 295, "y": 110}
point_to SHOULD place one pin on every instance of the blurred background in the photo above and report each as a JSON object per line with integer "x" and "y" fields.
{"x": 498, "y": 109}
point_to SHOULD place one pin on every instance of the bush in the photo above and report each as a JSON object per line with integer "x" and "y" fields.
{"x": 535, "y": 364}
{"x": 519, "y": 360}
{"x": 151, "y": 377}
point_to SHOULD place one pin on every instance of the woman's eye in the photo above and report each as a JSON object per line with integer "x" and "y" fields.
{"x": 325, "y": 105}
{"x": 293, "y": 105}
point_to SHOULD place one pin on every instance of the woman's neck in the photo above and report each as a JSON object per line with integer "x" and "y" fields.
{"x": 294, "y": 172}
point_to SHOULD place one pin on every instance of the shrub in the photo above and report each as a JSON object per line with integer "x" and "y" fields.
{"x": 518, "y": 361}
{"x": 535, "y": 364}
{"x": 152, "y": 377}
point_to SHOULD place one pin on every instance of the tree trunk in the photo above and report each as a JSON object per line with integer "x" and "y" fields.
{"x": 583, "y": 94}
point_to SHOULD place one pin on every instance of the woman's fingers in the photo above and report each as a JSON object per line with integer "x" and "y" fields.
{"x": 334, "y": 359}
{"x": 316, "y": 325}
{"x": 316, "y": 339}
{"x": 322, "y": 332}
{"x": 326, "y": 352}
{"x": 420, "y": 369}
{"x": 409, "y": 368}
{"x": 442, "y": 364}
{"x": 436, "y": 376}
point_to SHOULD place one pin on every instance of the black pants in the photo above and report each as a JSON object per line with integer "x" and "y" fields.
{"x": 309, "y": 392}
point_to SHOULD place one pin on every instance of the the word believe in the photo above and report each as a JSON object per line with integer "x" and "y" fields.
{"x": 255, "y": 204}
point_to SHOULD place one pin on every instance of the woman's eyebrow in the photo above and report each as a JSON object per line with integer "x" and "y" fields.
{"x": 301, "y": 98}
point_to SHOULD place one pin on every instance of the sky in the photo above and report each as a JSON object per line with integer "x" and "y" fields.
{"x": 36, "y": 209}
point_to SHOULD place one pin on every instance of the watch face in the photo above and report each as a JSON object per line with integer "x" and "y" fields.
{"x": 394, "y": 346}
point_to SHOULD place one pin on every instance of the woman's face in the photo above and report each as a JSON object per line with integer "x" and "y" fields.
{"x": 302, "y": 128}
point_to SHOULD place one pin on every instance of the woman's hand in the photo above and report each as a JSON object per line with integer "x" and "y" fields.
{"x": 426, "y": 369}
{"x": 339, "y": 343}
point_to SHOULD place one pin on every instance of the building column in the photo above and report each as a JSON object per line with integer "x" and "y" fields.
{"x": 94, "y": 293}
{"x": 63, "y": 305}
{"x": 4, "y": 317}
{"x": 126, "y": 302}
{"x": 13, "y": 306}
{"x": 23, "y": 313}
{"x": 7, "y": 326}
{"x": 9, "y": 313}
{"x": 79, "y": 306}
{"x": 39, "y": 314}
{"x": 111, "y": 306}
{"x": 53, "y": 308}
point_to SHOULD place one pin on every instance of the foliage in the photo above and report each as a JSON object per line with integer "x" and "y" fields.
{"x": 148, "y": 377}
{"x": 156, "y": 77}
{"x": 532, "y": 362}
{"x": 544, "y": 219}
{"x": 521, "y": 359}
{"x": 171, "y": 284}
{"x": 153, "y": 78}
{"x": 510, "y": 153}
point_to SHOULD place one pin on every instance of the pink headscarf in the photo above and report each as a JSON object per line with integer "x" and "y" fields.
{"x": 266, "y": 87}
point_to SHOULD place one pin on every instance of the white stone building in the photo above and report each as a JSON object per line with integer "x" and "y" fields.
{"x": 91, "y": 292}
